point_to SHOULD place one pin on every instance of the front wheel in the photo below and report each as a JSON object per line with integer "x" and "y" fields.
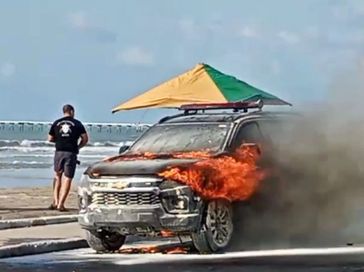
{"x": 105, "y": 241}
{"x": 217, "y": 228}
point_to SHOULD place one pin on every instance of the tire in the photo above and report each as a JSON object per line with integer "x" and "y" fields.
{"x": 216, "y": 229}
{"x": 105, "y": 241}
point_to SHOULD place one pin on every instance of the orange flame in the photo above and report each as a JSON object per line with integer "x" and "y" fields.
{"x": 232, "y": 177}
{"x": 155, "y": 249}
{"x": 140, "y": 250}
{"x": 152, "y": 156}
{"x": 132, "y": 157}
{"x": 167, "y": 233}
{"x": 177, "y": 250}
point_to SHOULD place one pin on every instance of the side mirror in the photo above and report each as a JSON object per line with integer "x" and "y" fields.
{"x": 255, "y": 146}
{"x": 123, "y": 149}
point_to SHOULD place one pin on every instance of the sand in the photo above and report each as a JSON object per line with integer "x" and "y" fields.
{"x": 31, "y": 202}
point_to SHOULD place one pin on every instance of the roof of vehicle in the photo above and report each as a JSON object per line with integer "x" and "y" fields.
{"x": 216, "y": 117}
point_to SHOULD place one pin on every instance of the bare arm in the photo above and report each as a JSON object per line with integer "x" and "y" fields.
{"x": 84, "y": 140}
{"x": 51, "y": 138}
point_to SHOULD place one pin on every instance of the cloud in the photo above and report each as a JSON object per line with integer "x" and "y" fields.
{"x": 7, "y": 69}
{"x": 81, "y": 22}
{"x": 275, "y": 67}
{"x": 195, "y": 30}
{"x": 289, "y": 37}
{"x": 361, "y": 63}
{"x": 192, "y": 30}
{"x": 345, "y": 10}
{"x": 187, "y": 25}
{"x": 248, "y": 32}
{"x": 311, "y": 32}
{"x": 135, "y": 56}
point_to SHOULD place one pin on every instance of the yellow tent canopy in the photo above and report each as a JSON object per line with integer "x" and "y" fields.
{"x": 202, "y": 84}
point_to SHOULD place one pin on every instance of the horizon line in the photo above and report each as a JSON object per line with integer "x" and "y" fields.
{"x": 85, "y": 123}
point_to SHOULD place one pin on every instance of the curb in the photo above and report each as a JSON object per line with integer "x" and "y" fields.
{"x": 41, "y": 247}
{"x": 47, "y": 246}
{"x": 38, "y": 221}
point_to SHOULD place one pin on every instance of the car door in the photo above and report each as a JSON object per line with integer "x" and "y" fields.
{"x": 248, "y": 133}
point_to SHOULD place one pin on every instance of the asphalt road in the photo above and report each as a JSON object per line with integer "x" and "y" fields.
{"x": 324, "y": 259}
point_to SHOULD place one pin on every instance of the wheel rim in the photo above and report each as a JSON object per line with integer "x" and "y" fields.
{"x": 112, "y": 238}
{"x": 220, "y": 224}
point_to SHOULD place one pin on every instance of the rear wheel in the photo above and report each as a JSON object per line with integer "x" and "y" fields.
{"x": 105, "y": 241}
{"x": 217, "y": 228}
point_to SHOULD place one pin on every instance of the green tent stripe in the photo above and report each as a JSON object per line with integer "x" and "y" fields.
{"x": 234, "y": 89}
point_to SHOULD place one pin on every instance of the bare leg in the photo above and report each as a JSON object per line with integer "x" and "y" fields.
{"x": 66, "y": 186}
{"x": 57, "y": 181}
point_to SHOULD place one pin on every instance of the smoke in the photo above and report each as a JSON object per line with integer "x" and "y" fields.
{"x": 315, "y": 195}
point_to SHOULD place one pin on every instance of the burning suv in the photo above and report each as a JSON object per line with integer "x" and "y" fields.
{"x": 181, "y": 176}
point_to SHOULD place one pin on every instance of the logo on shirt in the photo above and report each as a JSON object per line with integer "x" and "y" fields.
{"x": 65, "y": 130}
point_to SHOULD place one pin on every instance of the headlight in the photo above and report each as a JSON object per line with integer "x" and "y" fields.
{"x": 84, "y": 198}
{"x": 176, "y": 204}
{"x": 177, "y": 198}
{"x": 85, "y": 182}
{"x": 84, "y": 201}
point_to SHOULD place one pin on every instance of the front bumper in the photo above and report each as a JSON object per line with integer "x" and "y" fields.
{"x": 137, "y": 205}
{"x": 137, "y": 220}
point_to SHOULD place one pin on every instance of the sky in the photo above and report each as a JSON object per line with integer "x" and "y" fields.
{"x": 97, "y": 54}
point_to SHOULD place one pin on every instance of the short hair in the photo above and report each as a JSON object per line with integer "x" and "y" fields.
{"x": 68, "y": 108}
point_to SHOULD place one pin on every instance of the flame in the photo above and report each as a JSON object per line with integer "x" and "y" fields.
{"x": 140, "y": 250}
{"x": 177, "y": 250}
{"x": 132, "y": 157}
{"x": 153, "y": 156}
{"x": 192, "y": 155}
{"x": 155, "y": 249}
{"x": 167, "y": 233}
{"x": 232, "y": 177}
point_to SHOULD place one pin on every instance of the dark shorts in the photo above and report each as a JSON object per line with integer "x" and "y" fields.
{"x": 65, "y": 162}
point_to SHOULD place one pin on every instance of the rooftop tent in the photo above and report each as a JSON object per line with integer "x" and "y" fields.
{"x": 202, "y": 84}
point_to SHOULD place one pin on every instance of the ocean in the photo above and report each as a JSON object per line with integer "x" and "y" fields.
{"x": 26, "y": 158}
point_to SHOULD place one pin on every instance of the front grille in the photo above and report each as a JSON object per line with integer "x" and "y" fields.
{"x": 125, "y": 198}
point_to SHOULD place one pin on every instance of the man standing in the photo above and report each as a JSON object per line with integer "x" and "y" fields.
{"x": 66, "y": 134}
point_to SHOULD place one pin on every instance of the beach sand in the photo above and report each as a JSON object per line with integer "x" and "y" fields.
{"x": 32, "y": 202}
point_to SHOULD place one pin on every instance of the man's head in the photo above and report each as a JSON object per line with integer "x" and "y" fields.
{"x": 68, "y": 110}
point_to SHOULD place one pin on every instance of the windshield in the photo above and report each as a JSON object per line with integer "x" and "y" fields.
{"x": 182, "y": 138}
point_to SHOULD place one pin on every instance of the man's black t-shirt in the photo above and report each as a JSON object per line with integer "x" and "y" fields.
{"x": 66, "y": 132}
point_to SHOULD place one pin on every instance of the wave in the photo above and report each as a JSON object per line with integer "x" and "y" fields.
{"x": 109, "y": 143}
{"x": 25, "y": 143}
{"x": 24, "y": 164}
{"x": 39, "y": 143}
{"x": 22, "y": 149}
{"x": 49, "y": 156}
{"x": 20, "y": 164}
{"x": 5, "y": 143}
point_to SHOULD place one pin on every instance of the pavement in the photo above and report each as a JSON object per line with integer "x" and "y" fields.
{"x": 40, "y": 233}
{"x": 348, "y": 259}
{"x": 50, "y": 238}
{"x": 27, "y": 226}
{"x": 68, "y": 251}
{"x": 37, "y": 221}
{"x": 86, "y": 258}
{"x": 64, "y": 237}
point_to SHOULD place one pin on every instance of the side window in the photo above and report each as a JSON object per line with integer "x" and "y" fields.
{"x": 248, "y": 133}
{"x": 273, "y": 130}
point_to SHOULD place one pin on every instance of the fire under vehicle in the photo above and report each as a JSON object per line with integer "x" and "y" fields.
{"x": 181, "y": 176}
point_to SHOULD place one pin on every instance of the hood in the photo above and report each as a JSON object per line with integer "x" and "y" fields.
{"x": 136, "y": 167}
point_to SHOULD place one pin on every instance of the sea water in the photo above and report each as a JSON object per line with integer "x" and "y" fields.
{"x": 26, "y": 158}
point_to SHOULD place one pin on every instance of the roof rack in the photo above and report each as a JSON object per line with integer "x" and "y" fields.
{"x": 235, "y": 106}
